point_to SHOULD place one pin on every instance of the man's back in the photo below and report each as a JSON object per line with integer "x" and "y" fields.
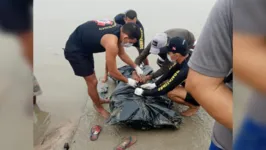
{"x": 183, "y": 33}
{"x": 119, "y": 19}
{"x": 88, "y": 35}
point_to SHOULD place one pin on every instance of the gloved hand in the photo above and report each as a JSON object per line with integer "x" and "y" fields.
{"x": 132, "y": 82}
{"x": 139, "y": 71}
{"x": 148, "y": 86}
{"x": 139, "y": 91}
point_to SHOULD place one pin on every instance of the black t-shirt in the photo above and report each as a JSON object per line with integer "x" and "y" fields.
{"x": 87, "y": 37}
{"x": 119, "y": 19}
{"x": 16, "y": 15}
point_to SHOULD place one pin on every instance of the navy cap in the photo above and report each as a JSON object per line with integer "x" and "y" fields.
{"x": 177, "y": 45}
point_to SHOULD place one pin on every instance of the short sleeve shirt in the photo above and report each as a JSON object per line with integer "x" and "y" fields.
{"x": 213, "y": 57}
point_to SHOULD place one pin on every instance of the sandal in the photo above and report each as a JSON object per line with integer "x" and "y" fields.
{"x": 95, "y": 131}
{"x": 127, "y": 142}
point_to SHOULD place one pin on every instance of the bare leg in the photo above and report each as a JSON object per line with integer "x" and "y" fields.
{"x": 178, "y": 95}
{"x": 93, "y": 93}
{"x": 105, "y": 77}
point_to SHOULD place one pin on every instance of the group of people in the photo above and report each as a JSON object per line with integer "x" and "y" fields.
{"x": 186, "y": 76}
{"x": 174, "y": 48}
{"x": 205, "y": 75}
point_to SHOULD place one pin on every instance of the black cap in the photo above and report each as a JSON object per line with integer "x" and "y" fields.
{"x": 131, "y": 14}
{"x": 176, "y": 45}
{"x": 132, "y": 30}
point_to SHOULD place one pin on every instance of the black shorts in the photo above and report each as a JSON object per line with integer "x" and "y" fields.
{"x": 191, "y": 100}
{"x": 82, "y": 63}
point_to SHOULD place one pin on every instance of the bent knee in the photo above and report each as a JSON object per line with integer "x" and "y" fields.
{"x": 171, "y": 94}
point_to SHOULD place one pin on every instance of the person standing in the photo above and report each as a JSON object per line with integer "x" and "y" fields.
{"x": 210, "y": 64}
{"x": 249, "y": 45}
{"x": 98, "y": 36}
{"x": 16, "y": 74}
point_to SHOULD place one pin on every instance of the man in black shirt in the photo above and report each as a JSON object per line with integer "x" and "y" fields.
{"x": 179, "y": 54}
{"x": 131, "y": 17}
{"x": 98, "y": 36}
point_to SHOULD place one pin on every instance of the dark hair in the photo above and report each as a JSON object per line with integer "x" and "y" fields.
{"x": 131, "y": 14}
{"x": 132, "y": 30}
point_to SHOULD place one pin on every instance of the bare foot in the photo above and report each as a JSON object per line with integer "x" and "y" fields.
{"x": 104, "y": 101}
{"x": 105, "y": 78}
{"x": 190, "y": 111}
{"x": 103, "y": 112}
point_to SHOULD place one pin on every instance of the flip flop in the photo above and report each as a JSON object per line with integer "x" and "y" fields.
{"x": 95, "y": 131}
{"x": 127, "y": 142}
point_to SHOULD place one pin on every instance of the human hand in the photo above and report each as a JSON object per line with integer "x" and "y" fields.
{"x": 139, "y": 71}
{"x": 132, "y": 82}
{"x": 146, "y": 78}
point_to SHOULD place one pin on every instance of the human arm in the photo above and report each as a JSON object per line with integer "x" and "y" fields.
{"x": 253, "y": 48}
{"x": 125, "y": 58}
{"x": 162, "y": 70}
{"x": 146, "y": 61}
{"x": 109, "y": 42}
{"x": 26, "y": 40}
{"x": 212, "y": 94}
{"x": 140, "y": 45}
{"x": 249, "y": 43}
{"x": 211, "y": 62}
{"x": 176, "y": 79}
{"x": 171, "y": 70}
{"x": 166, "y": 73}
{"x": 143, "y": 55}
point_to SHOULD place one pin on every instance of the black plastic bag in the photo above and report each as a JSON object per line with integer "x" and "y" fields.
{"x": 141, "y": 112}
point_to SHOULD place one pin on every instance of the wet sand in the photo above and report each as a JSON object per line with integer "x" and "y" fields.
{"x": 65, "y": 111}
{"x": 71, "y": 108}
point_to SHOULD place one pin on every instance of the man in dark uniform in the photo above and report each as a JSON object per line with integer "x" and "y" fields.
{"x": 158, "y": 43}
{"x": 101, "y": 36}
{"x": 170, "y": 82}
{"x": 130, "y": 16}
